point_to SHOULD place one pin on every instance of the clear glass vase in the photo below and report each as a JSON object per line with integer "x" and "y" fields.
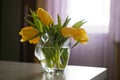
{"x": 53, "y": 59}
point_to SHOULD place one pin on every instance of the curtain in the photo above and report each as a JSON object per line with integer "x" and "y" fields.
{"x": 56, "y": 7}
{"x": 98, "y": 52}
{"x": 26, "y": 49}
{"x": 115, "y": 21}
{"x": 115, "y": 35}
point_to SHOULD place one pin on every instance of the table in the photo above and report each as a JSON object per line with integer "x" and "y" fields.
{"x": 33, "y": 71}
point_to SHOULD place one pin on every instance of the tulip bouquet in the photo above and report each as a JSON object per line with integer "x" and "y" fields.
{"x": 44, "y": 31}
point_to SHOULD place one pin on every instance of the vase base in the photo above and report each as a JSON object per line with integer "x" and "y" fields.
{"x": 53, "y": 70}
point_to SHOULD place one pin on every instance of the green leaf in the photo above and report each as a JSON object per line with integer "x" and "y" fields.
{"x": 64, "y": 57}
{"x": 33, "y": 14}
{"x": 75, "y": 44}
{"x": 66, "y": 22}
{"x": 29, "y": 22}
{"x": 79, "y": 24}
{"x": 38, "y": 23}
{"x": 59, "y": 20}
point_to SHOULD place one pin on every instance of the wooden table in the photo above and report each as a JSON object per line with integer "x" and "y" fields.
{"x": 32, "y": 71}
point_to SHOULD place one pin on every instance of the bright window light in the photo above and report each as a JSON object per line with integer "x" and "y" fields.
{"x": 95, "y": 12}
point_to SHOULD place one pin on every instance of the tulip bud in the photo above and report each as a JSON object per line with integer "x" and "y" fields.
{"x": 44, "y": 16}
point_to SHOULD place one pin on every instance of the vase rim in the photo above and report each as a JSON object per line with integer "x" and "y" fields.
{"x": 54, "y": 47}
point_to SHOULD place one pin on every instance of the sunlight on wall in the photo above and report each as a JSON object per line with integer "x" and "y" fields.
{"x": 95, "y": 12}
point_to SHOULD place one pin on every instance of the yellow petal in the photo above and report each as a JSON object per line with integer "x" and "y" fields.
{"x": 35, "y": 40}
{"x": 44, "y": 16}
{"x": 83, "y": 40}
{"x": 66, "y": 31}
{"x": 28, "y": 33}
{"x": 80, "y": 35}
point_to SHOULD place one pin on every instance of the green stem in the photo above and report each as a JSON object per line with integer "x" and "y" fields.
{"x": 58, "y": 57}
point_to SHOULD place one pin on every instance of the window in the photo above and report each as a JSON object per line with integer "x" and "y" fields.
{"x": 95, "y": 12}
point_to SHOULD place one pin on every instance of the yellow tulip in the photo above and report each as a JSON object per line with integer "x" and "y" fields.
{"x": 84, "y": 39}
{"x": 67, "y": 32}
{"x": 80, "y": 35}
{"x": 35, "y": 40}
{"x": 44, "y": 16}
{"x": 29, "y": 34}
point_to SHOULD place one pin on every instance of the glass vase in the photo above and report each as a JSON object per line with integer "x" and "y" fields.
{"x": 53, "y": 59}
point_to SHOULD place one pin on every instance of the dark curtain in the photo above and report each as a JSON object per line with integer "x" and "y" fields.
{"x": 10, "y": 23}
{"x": 27, "y": 50}
{"x": 115, "y": 35}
